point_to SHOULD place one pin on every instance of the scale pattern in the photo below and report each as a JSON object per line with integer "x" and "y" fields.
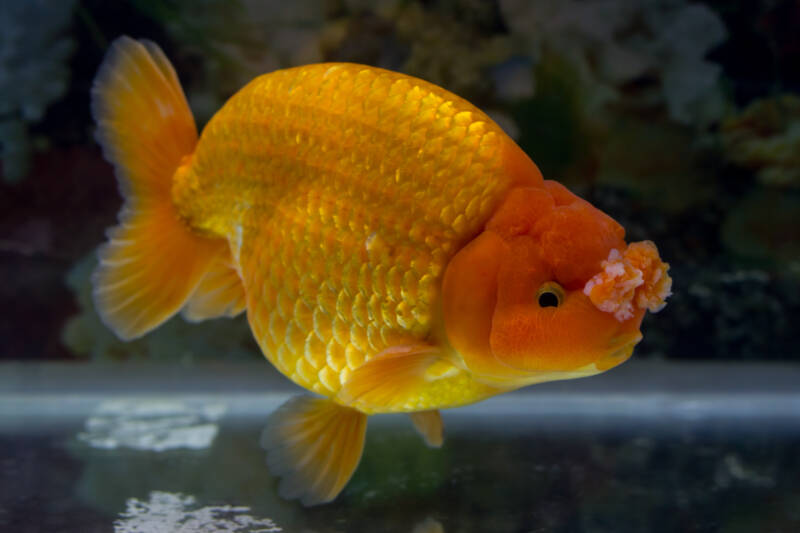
{"x": 344, "y": 190}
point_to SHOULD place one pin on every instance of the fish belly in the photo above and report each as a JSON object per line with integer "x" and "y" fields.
{"x": 344, "y": 190}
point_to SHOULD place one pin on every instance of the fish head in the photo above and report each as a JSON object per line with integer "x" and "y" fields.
{"x": 549, "y": 290}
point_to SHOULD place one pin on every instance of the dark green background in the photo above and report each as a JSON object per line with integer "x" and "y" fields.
{"x": 724, "y": 215}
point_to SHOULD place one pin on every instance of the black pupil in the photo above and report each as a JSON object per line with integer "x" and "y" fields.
{"x": 548, "y": 299}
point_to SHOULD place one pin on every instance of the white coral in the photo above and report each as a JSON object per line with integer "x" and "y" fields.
{"x": 613, "y": 42}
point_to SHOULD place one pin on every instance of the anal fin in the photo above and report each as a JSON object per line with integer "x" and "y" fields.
{"x": 314, "y": 445}
{"x": 429, "y": 425}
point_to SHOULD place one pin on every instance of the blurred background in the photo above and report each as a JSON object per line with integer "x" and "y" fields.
{"x": 680, "y": 119}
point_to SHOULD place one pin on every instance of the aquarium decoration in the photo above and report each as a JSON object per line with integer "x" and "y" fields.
{"x": 658, "y": 47}
{"x": 765, "y": 137}
{"x": 34, "y": 73}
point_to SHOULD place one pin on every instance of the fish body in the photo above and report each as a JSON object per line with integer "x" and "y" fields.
{"x": 344, "y": 190}
{"x": 394, "y": 250}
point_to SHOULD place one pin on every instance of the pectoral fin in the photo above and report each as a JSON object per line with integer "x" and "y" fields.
{"x": 393, "y": 379}
{"x": 314, "y": 445}
{"x": 429, "y": 425}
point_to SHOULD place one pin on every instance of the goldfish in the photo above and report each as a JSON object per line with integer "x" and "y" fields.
{"x": 393, "y": 249}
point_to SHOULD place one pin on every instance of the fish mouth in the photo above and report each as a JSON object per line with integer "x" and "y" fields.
{"x": 620, "y": 352}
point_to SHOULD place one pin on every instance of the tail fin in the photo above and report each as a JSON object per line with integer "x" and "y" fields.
{"x": 153, "y": 261}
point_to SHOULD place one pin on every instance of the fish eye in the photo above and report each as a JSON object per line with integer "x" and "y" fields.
{"x": 550, "y": 294}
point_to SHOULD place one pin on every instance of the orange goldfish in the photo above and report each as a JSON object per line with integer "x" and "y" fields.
{"x": 394, "y": 250}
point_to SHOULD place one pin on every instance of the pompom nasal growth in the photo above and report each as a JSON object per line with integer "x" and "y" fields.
{"x": 637, "y": 277}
